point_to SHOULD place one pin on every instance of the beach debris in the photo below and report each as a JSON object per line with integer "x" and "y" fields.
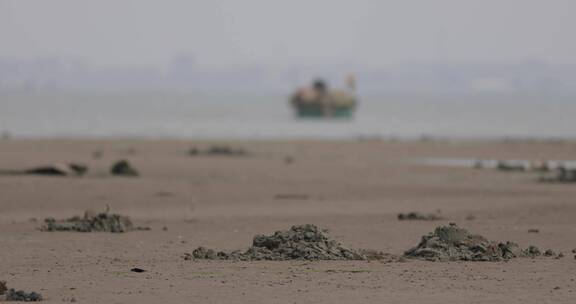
{"x": 540, "y": 165}
{"x": 532, "y": 230}
{"x": 218, "y": 150}
{"x": 138, "y": 270}
{"x": 560, "y": 175}
{"x": 521, "y": 165}
{"x": 452, "y": 243}
{"x": 532, "y": 252}
{"x": 510, "y": 165}
{"x": 67, "y": 169}
{"x": 92, "y": 222}
{"x": 22, "y": 296}
{"x": 417, "y": 216}
{"x": 123, "y": 168}
{"x": 549, "y": 253}
{"x": 302, "y": 242}
{"x": 11, "y": 294}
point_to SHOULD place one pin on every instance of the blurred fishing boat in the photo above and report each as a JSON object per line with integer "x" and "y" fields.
{"x": 319, "y": 101}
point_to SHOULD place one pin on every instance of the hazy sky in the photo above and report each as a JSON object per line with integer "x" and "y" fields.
{"x": 222, "y": 32}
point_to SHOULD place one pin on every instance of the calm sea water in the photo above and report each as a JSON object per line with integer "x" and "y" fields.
{"x": 242, "y": 115}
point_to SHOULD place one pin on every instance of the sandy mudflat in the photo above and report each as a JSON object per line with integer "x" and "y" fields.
{"x": 355, "y": 189}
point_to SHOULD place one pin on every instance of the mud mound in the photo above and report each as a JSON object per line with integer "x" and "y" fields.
{"x": 18, "y": 295}
{"x": 417, "y": 216}
{"x": 22, "y": 296}
{"x": 123, "y": 168}
{"x": 452, "y": 243}
{"x": 304, "y": 242}
{"x": 92, "y": 222}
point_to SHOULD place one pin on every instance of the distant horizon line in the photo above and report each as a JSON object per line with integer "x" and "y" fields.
{"x": 200, "y": 63}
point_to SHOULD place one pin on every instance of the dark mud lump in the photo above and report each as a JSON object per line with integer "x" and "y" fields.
{"x": 22, "y": 296}
{"x": 303, "y": 242}
{"x": 91, "y": 222}
{"x": 452, "y": 243}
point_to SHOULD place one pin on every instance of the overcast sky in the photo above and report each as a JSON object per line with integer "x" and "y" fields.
{"x": 223, "y": 32}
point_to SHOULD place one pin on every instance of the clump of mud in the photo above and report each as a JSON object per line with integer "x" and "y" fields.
{"x": 22, "y": 296}
{"x": 18, "y": 295}
{"x": 303, "y": 242}
{"x": 123, "y": 168}
{"x": 417, "y": 216}
{"x": 92, "y": 222}
{"x": 452, "y": 243}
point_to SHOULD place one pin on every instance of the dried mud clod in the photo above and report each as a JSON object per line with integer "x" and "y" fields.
{"x": 123, "y": 168}
{"x": 10, "y": 294}
{"x": 549, "y": 253}
{"x": 303, "y": 242}
{"x": 22, "y": 296}
{"x": 92, "y": 222}
{"x": 452, "y": 243}
{"x": 417, "y": 216}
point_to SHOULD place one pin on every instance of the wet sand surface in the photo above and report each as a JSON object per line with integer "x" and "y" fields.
{"x": 355, "y": 189}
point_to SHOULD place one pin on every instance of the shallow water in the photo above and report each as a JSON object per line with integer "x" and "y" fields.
{"x": 243, "y": 115}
